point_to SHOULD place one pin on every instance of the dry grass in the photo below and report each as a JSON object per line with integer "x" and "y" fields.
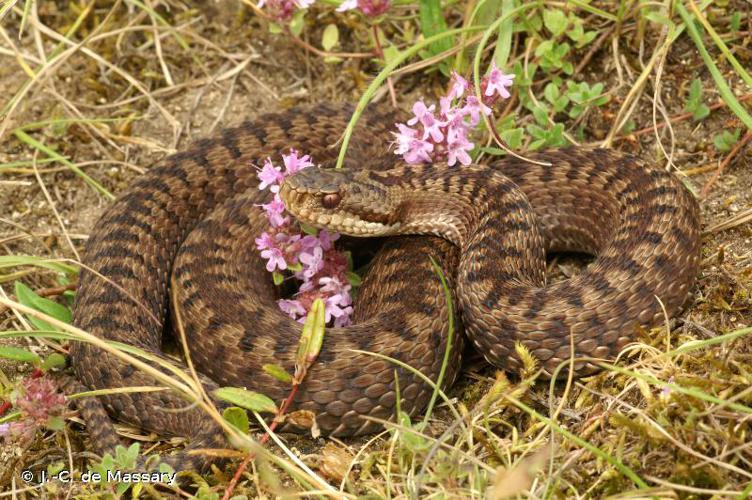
{"x": 94, "y": 93}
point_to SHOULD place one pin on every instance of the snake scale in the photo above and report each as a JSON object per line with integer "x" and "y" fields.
{"x": 192, "y": 220}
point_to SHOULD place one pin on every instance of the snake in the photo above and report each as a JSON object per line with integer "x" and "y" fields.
{"x": 183, "y": 233}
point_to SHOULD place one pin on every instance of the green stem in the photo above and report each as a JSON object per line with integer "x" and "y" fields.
{"x": 721, "y": 46}
{"x": 581, "y": 442}
{"x": 484, "y": 41}
{"x": 726, "y": 94}
{"x": 450, "y": 337}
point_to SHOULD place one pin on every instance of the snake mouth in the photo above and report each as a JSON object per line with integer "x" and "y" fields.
{"x": 309, "y": 208}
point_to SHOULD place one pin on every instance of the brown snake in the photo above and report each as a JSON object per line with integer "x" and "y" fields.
{"x": 196, "y": 215}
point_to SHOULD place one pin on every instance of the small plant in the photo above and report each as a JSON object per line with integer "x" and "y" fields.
{"x": 40, "y": 405}
{"x": 123, "y": 471}
{"x": 583, "y": 96}
{"x": 726, "y": 140}
{"x": 694, "y": 102}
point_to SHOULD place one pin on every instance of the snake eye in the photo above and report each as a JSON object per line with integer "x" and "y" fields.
{"x": 331, "y": 200}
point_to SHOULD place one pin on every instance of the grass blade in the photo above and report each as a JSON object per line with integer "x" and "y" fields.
{"x": 726, "y": 94}
{"x": 30, "y": 141}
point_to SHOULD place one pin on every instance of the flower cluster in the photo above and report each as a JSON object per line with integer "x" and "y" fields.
{"x": 37, "y": 399}
{"x": 371, "y": 8}
{"x": 283, "y": 10}
{"x": 445, "y": 137}
{"x": 312, "y": 259}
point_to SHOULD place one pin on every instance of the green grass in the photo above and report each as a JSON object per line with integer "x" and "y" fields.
{"x": 95, "y": 86}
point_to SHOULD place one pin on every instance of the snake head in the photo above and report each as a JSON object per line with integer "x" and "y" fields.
{"x": 340, "y": 200}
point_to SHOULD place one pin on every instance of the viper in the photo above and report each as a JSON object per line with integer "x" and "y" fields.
{"x": 191, "y": 221}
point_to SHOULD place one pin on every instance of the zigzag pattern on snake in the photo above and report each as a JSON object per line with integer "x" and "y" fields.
{"x": 194, "y": 218}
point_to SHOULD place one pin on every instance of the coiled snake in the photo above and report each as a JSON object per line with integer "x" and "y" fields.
{"x": 195, "y": 217}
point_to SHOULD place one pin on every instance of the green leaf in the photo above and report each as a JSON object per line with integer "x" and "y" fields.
{"x": 295, "y": 267}
{"x": 297, "y": 22}
{"x": 736, "y": 21}
{"x": 541, "y": 115}
{"x": 55, "y": 423}
{"x": 694, "y": 102}
{"x": 18, "y": 354}
{"x": 246, "y": 399}
{"x": 55, "y": 468}
{"x": 432, "y": 23}
{"x": 308, "y": 229}
{"x": 27, "y": 297}
{"x": 702, "y": 111}
{"x": 551, "y": 92}
{"x": 659, "y": 18}
{"x": 238, "y": 418}
{"x": 312, "y": 337}
{"x": 414, "y": 442}
{"x": 54, "y": 360}
{"x": 353, "y": 279}
{"x": 726, "y": 140}
{"x": 330, "y": 38}
{"x": 555, "y": 21}
{"x": 278, "y": 372}
{"x": 512, "y": 137}
{"x": 31, "y": 260}
{"x": 122, "y": 488}
{"x": 166, "y": 468}
{"x": 275, "y": 29}
{"x": 278, "y": 278}
{"x": 390, "y": 53}
{"x": 127, "y": 457}
{"x": 504, "y": 40}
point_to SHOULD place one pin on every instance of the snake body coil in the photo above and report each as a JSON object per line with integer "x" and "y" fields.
{"x": 196, "y": 215}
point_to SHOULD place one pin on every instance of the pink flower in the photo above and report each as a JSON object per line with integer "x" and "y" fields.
{"x": 418, "y": 152}
{"x": 327, "y": 239}
{"x": 445, "y": 136}
{"x": 274, "y": 250}
{"x": 412, "y": 149}
{"x": 309, "y": 242}
{"x": 338, "y": 306}
{"x": 40, "y": 399}
{"x": 347, "y": 5}
{"x": 274, "y": 211}
{"x": 312, "y": 262}
{"x": 474, "y": 108}
{"x": 457, "y": 149}
{"x": 458, "y": 88}
{"x": 497, "y": 82}
{"x": 293, "y": 164}
{"x": 292, "y": 308}
{"x": 370, "y": 8}
{"x": 431, "y": 126}
{"x": 270, "y": 176}
{"x": 334, "y": 286}
{"x": 283, "y": 9}
{"x": 265, "y": 241}
{"x": 316, "y": 254}
{"x": 275, "y": 259}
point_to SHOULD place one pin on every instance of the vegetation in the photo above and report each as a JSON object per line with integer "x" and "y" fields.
{"x": 94, "y": 92}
